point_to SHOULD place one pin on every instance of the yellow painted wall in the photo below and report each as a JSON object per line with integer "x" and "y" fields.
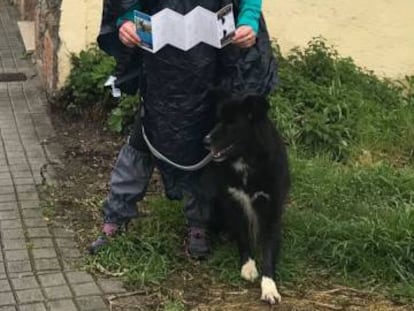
{"x": 378, "y": 34}
{"x": 79, "y": 27}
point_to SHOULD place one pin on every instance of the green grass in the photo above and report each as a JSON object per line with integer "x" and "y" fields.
{"x": 350, "y": 218}
{"x": 352, "y": 225}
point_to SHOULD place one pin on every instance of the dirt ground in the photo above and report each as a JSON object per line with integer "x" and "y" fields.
{"x": 378, "y": 34}
{"x": 89, "y": 152}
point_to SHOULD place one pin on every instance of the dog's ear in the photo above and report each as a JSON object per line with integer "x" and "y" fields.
{"x": 256, "y": 106}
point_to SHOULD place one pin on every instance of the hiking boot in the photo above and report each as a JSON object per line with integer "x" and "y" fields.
{"x": 197, "y": 243}
{"x": 108, "y": 230}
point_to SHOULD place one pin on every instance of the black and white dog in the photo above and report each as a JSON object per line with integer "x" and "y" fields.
{"x": 248, "y": 182}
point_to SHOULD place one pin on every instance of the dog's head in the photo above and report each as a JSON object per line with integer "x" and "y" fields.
{"x": 236, "y": 122}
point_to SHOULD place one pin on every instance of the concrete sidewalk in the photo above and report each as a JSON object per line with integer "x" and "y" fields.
{"x": 37, "y": 270}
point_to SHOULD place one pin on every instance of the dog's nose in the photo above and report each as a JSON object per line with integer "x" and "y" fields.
{"x": 207, "y": 140}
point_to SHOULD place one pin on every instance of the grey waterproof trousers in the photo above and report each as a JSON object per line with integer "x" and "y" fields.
{"x": 130, "y": 178}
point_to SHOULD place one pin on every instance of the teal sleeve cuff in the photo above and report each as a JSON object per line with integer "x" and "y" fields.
{"x": 249, "y": 14}
{"x": 128, "y": 16}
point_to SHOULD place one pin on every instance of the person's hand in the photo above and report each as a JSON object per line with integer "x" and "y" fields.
{"x": 128, "y": 34}
{"x": 244, "y": 37}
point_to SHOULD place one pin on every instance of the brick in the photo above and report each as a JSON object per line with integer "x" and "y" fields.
{"x": 33, "y": 307}
{"x": 27, "y": 282}
{"x": 62, "y": 305}
{"x": 91, "y": 303}
{"x": 79, "y": 277}
{"x": 86, "y": 289}
{"x": 6, "y": 298}
{"x": 44, "y": 253}
{"x": 29, "y": 295}
{"x": 15, "y": 255}
{"x": 58, "y": 292}
{"x": 52, "y": 279}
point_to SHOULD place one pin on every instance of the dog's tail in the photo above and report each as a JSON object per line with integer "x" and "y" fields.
{"x": 246, "y": 203}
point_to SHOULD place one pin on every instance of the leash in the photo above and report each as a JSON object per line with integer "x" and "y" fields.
{"x": 163, "y": 158}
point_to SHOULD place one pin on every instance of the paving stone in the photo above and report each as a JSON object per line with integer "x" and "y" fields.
{"x": 35, "y": 223}
{"x": 28, "y": 196}
{"x": 32, "y": 213}
{"x": 12, "y": 244}
{"x": 77, "y": 277}
{"x": 19, "y": 266}
{"x": 62, "y": 305}
{"x": 66, "y": 243}
{"x": 91, "y": 303}
{"x": 7, "y": 190}
{"x": 4, "y": 286}
{"x": 14, "y": 255}
{"x": 11, "y": 224}
{"x": 29, "y": 204}
{"x": 9, "y": 234}
{"x": 62, "y": 232}
{"x": 6, "y": 298}
{"x": 7, "y": 197}
{"x": 52, "y": 279}
{"x": 8, "y": 308}
{"x": 58, "y": 292}
{"x": 41, "y": 242}
{"x": 33, "y": 307}
{"x": 8, "y": 205}
{"x": 111, "y": 286}
{"x": 23, "y": 181}
{"x": 29, "y": 295}
{"x": 38, "y": 232}
{"x": 86, "y": 289}
{"x": 5, "y": 215}
{"x": 44, "y": 253}
{"x": 27, "y": 282}
{"x": 47, "y": 264}
{"x": 70, "y": 253}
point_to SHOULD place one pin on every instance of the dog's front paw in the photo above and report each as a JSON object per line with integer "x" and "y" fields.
{"x": 249, "y": 271}
{"x": 269, "y": 291}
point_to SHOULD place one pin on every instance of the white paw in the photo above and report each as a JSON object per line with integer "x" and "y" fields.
{"x": 269, "y": 291}
{"x": 249, "y": 271}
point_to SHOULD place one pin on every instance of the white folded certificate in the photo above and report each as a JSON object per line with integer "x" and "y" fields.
{"x": 185, "y": 31}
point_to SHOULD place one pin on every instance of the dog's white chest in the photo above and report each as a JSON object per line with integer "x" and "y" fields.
{"x": 241, "y": 167}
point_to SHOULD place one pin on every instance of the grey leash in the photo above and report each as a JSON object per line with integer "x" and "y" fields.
{"x": 163, "y": 158}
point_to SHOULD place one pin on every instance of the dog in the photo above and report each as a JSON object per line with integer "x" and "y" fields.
{"x": 247, "y": 182}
